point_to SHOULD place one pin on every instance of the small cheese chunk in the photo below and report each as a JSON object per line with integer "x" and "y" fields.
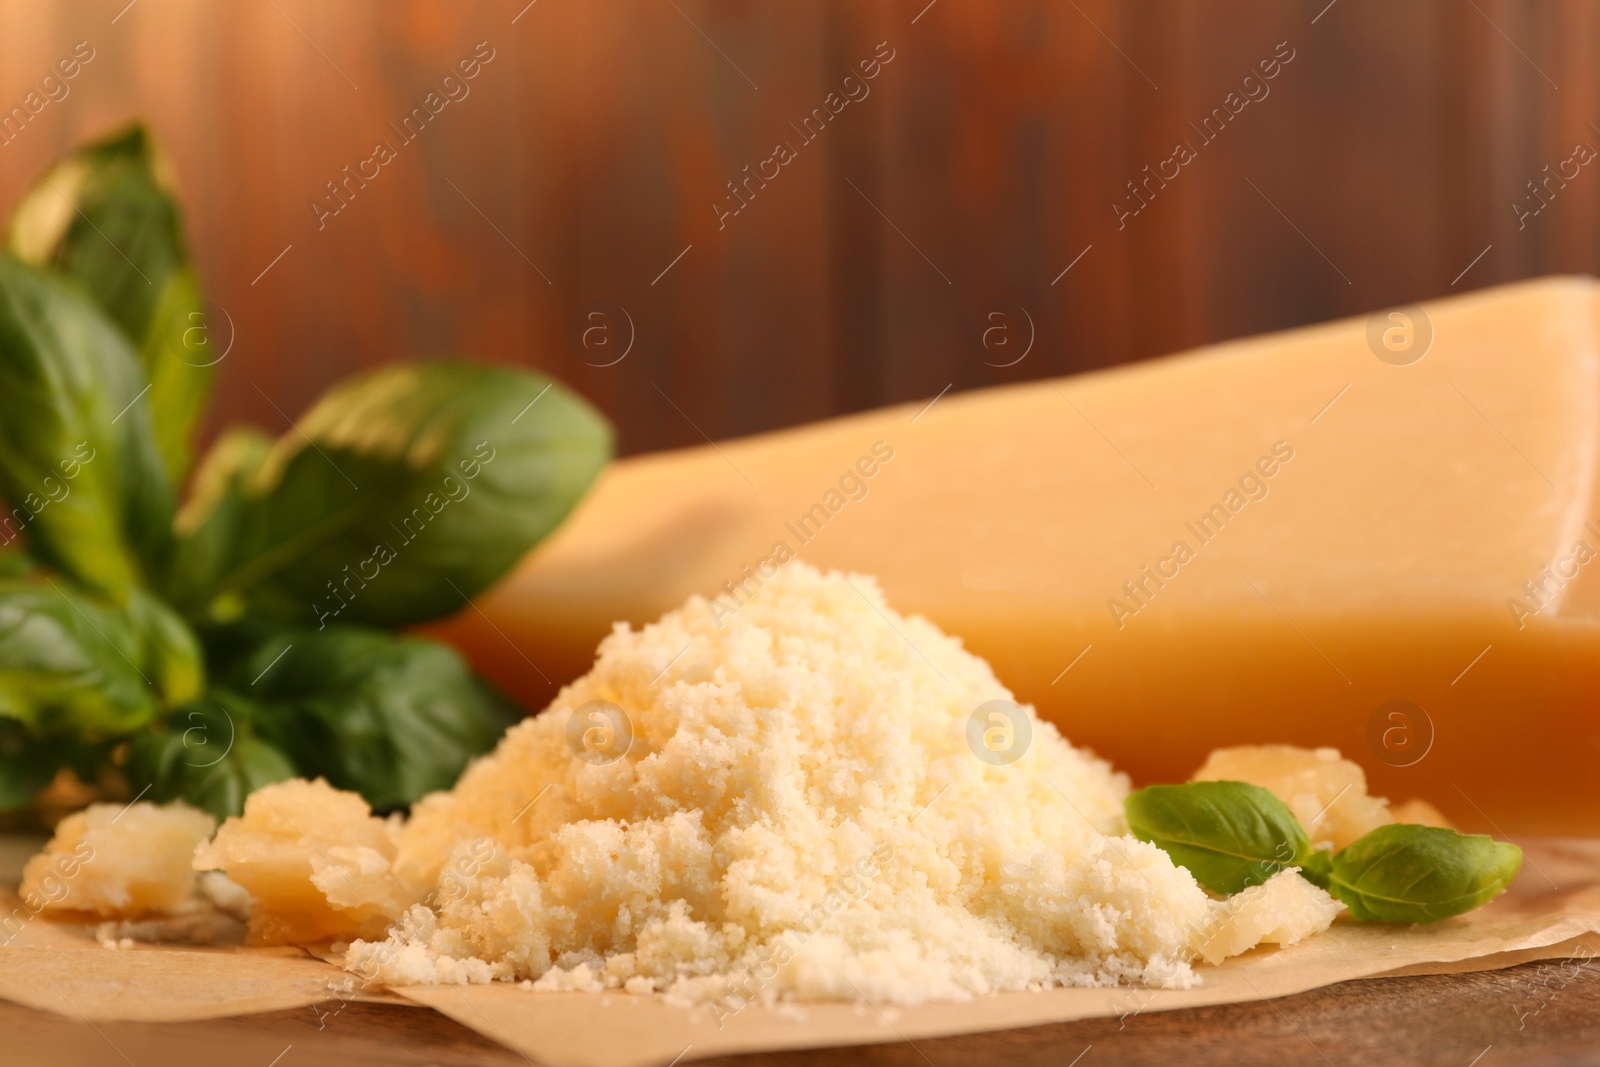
{"x": 316, "y": 862}
{"x": 1420, "y": 812}
{"x": 119, "y": 861}
{"x": 1327, "y": 794}
{"x": 1280, "y": 911}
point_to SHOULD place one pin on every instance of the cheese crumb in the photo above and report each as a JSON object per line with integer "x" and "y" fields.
{"x": 112, "y": 860}
{"x": 1327, "y": 793}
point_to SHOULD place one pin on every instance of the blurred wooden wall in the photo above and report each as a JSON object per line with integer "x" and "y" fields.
{"x": 906, "y": 249}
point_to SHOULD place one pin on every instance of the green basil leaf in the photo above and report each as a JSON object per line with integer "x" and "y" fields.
{"x": 206, "y": 753}
{"x": 406, "y": 490}
{"x": 106, "y": 215}
{"x": 78, "y": 461}
{"x": 22, "y": 772}
{"x": 1230, "y": 835}
{"x": 69, "y": 664}
{"x": 14, "y": 563}
{"x": 393, "y": 718}
{"x": 168, "y": 650}
{"x": 1316, "y": 867}
{"x": 211, "y": 521}
{"x": 27, "y": 764}
{"x": 229, "y": 644}
{"x": 1404, "y": 873}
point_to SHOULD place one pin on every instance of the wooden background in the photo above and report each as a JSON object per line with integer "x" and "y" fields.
{"x": 1385, "y": 160}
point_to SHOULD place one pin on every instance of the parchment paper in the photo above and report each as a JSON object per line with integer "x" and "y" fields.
{"x": 1552, "y": 911}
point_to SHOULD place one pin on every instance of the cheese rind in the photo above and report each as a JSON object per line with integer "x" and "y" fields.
{"x": 1264, "y": 541}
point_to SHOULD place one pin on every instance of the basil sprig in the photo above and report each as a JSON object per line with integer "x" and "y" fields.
{"x": 1232, "y": 835}
{"x": 249, "y": 635}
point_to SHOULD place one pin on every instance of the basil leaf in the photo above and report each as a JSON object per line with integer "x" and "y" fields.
{"x": 1230, "y": 835}
{"x": 74, "y": 666}
{"x": 106, "y": 216}
{"x": 69, "y": 664}
{"x": 22, "y": 770}
{"x": 1316, "y": 867}
{"x": 1404, "y": 873}
{"x": 407, "y": 489}
{"x": 206, "y": 753}
{"x": 211, "y": 521}
{"x": 13, "y": 563}
{"x": 168, "y": 650}
{"x": 78, "y": 462}
{"x": 228, "y": 645}
{"x": 393, "y": 718}
{"x": 27, "y": 764}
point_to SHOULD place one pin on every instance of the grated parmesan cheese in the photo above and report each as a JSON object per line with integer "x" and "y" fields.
{"x": 797, "y": 810}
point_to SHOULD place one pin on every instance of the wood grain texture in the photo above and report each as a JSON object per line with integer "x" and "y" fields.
{"x": 1443, "y": 1020}
{"x": 594, "y": 147}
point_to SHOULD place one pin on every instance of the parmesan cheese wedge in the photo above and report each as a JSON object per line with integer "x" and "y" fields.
{"x": 1284, "y": 539}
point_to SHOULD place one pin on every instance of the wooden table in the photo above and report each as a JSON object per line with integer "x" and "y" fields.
{"x": 1536, "y": 1014}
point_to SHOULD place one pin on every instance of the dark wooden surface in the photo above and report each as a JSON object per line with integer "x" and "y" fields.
{"x": 1385, "y": 158}
{"x": 1544, "y": 1014}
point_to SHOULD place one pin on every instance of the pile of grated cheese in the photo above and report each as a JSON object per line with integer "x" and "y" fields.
{"x": 796, "y": 803}
{"x": 800, "y": 814}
